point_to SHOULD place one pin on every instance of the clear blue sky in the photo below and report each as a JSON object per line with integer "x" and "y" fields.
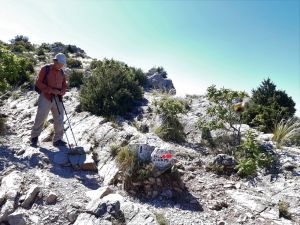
{"x": 235, "y": 44}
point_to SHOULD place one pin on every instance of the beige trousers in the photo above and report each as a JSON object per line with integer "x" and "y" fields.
{"x": 44, "y": 106}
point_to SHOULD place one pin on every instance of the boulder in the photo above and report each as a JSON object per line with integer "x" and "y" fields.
{"x": 30, "y": 196}
{"x": 83, "y": 162}
{"x": 51, "y": 198}
{"x": 99, "y": 193}
{"x": 228, "y": 162}
{"x": 143, "y": 151}
{"x": 163, "y": 159}
{"x": 17, "y": 218}
{"x": 157, "y": 81}
{"x": 10, "y": 187}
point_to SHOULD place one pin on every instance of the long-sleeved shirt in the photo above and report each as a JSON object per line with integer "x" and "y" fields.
{"x": 55, "y": 80}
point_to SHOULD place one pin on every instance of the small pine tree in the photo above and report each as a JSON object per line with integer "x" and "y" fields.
{"x": 268, "y": 107}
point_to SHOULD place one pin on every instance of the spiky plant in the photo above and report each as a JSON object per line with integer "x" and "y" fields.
{"x": 285, "y": 130}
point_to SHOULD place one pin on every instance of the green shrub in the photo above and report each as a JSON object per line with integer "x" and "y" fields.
{"x": 112, "y": 89}
{"x": 222, "y": 111}
{"x": 74, "y": 63}
{"x": 171, "y": 129}
{"x": 20, "y": 44}
{"x": 139, "y": 76}
{"x": 268, "y": 106}
{"x": 40, "y": 52}
{"x": 159, "y": 70}
{"x": 286, "y": 130}
{"x": 18, "y": 48}
{"x": 145, "y": 171}
{"x": 247, "y": 167}
{"x": 14, "y": 70}
{"x": 75, "y": 78}
{"x": 215, "y": 168}
{"x": 251, "y": 156}
{"x": 206, "y": 137}
{"x": 45, "y": 47}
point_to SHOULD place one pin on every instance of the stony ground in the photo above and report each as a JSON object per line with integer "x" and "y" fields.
{"x": 209, "y": 199}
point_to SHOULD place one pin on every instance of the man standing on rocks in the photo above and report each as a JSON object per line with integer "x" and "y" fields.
{"x": 51, "y": 85}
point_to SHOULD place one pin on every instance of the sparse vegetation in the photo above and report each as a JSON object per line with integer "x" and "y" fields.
{"x": 145, "y": 171}
{"x": 222, "y": 112}
{"x": 127, "y": 161}
{"x": 283, "y": 208}
{"x": 161, "y": 219}
{"x": 114, "y": 150}
{"x": 170, "y": 108}
{"x": 215, "y": 168}
{"x": 285, "y": 131}
{"x": 251, "y": 156}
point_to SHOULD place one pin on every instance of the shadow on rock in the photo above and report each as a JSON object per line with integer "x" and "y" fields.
{"x": 73, "y": 165}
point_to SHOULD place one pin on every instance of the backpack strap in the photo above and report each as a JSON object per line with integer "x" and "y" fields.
{"x": 47, "y": 68}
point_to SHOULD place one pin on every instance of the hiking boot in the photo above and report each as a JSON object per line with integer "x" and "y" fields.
{"x": 59, "y": 143}
{"x": 34, "y": 142}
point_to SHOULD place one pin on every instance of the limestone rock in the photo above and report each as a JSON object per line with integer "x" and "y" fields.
{"x": 82, "y": 161}
{"x": 99, "y": 193}
{"x": 51, "y": 198}
{"x": 17, "y": 218}
{"x": 157, "y": 81}
{"x": 30, "y": 196}
{"x": 163, "y": 159}
{"x": 143, "y": 150}
{"x": 228, "y": 162}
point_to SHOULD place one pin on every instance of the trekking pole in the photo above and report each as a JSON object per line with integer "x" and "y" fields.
{"x": 69, "y": 122}
{"x": 63, "y": 123}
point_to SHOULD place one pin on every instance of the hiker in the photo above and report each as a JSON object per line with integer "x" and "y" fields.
{"x": 51, "y": 85}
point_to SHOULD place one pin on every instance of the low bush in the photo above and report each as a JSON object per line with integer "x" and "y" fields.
{"x": 20, "y": 44}
{"x": 251, "y": 156}
{"x": 75, "y": 79}
{"x": 74, "y": 63}
{"x": 14, "y": 70}
{"x": 112, "y": 89}
{"x": 171, "y": 129}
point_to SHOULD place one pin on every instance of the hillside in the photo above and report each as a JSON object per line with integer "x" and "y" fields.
{"x": 91, "y": 185}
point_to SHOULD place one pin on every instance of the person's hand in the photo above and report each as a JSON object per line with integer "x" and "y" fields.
{"x": 62, "y": 92}
{"x": 55, "y": 91}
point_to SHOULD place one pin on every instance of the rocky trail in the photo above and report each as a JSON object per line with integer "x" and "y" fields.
{"x": 47, "y": 185}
